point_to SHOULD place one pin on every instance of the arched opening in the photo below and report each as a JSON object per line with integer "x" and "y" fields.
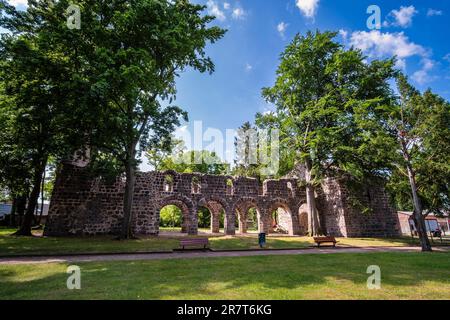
{"x": 291, "y": 189}
{"x": 173, "y": 219}
{"x": 278, "y": 223}
{"x": 280, "y": 219}
{"x": 248, "y": 218}
{"x": 211, "y": 216}
{"x": 168, "y": 183}
{"x": 204, "y": 218}
{"x": 230, "y": 187}
{"x": 174, "y": 215}
{"x": 196, "y": 185}
{"x": 252, "y": 220}
{"x": 303, "y": 219}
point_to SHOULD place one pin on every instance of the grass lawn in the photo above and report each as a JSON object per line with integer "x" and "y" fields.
{"x": 10, "y": 246}
{"x": 54, "y": 245}
{"x": 331, "y": 276}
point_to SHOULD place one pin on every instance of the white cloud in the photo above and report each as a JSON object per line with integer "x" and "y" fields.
{"x": 214, "y": 10}
{"x": 402, "y": 17}
{"x": 447, "y": 57}
{"x": 381, "y": 45}
{"x": 281, "y": 28}
{"x": 434, "y": 12}
{"x": 248, "y": 67}
{"x": 422, "y": 76}
{"x": 238, "y": 13}
{"x": 401, "y": 64}
{"x": 18, "y": 2}
{"x": 377, "y": 44}
{"x": 344, "y": 34}
{"x": 226, "y": 5}
{"x": 308, "y": 7}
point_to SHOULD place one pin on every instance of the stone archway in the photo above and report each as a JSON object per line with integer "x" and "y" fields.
{"x": 303, "y": 218}
{"x": 287, "y": 219}
{"x": 241, "y": 209}
{"x": 189, "y": 214}
{"x": 215, "y": 206}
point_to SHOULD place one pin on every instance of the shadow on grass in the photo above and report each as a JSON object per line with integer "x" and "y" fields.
{"x": 13, "y": 246}
{"x": 280, "y": 277}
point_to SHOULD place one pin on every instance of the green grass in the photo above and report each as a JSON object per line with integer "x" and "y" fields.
{"x": 332, "y": 276}
{"x": 10, "y": 246}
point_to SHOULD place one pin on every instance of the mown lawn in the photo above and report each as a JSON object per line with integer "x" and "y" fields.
{"x": 10, "y": 246}
{"x": 330, "y": 276}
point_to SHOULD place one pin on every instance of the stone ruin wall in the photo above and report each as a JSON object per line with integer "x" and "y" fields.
{"x": 85, "y": 205}
{"x": 341, "y": 219}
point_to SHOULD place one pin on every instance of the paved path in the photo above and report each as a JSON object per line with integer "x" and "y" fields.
{"x": 190, "y": 255}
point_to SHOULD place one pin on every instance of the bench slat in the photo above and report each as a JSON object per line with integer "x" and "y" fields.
{"x": 194, "y": 242}
{"x": 320, "y": 240}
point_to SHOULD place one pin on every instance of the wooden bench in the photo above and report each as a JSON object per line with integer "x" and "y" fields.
{"x": 199, "y": 242}
{"x": 320, "y": 240}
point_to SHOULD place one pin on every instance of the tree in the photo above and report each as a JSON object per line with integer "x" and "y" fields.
{"x": 158, "y": 156}
{"x": 171, "y": 216}
{"x": 246, "y": 147}
{"x": 122, "y": 63}
{"x": 319, "y": 85}
{"x": 205, "y": 162}
{"x": 40, "y": 91}
{"x": 416, "y": 131}
{"x": 148, "y": 44}
{"x": 14, "y": 161}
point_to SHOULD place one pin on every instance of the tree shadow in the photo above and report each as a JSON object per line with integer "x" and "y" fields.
{"x": 261, "y": 277}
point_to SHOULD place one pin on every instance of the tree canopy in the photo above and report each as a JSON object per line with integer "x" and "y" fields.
{"x": 319, "y": 86}
{"x": 114, "y": 76}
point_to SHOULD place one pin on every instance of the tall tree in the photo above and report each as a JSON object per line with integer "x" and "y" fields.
{"x": 318, "y": 86}
{"x": 415, "y": 131}
{"x": 15, "y": 169}
{"x": 246, "y": 147}
{"x": 141, "y": 47}
{"x": 122, "y": 62}
{"x": 36, "y": 80}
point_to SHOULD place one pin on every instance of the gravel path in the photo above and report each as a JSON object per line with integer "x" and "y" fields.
{"x": 191, "y": 254}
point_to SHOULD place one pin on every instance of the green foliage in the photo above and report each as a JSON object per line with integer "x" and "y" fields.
{"x": 204, "y": 218}
{"x": 109, "y": 85}
{"x": 40, "y": 106}
{"x": 319, "y": 88}
{"x": 170, "y": 216}
{"x": 419, "y": 124}
{"x": 205, "y": 162}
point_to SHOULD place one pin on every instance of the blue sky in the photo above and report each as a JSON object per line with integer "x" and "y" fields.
{"x": 247, "y": 57}
{"x": 258, "y": 30}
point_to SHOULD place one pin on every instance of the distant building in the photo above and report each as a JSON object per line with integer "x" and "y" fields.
{"x": 432, "y": 223}
{"x": 5, "y": 209}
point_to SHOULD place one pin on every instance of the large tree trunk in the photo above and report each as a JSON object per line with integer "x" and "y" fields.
{"x": 129, "y": 193}
{"x": 21, "y": 205}
{"x": 25, "y": 229}
{"x": 313, "y": 213}
{"x": 418, "y": 217}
